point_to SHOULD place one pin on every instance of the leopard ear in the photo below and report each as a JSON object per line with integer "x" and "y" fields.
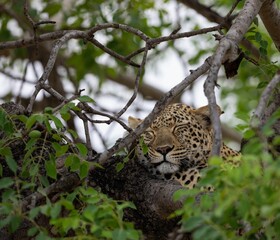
{"x": 202, "y": 114}
{"x": 134, "y": 122}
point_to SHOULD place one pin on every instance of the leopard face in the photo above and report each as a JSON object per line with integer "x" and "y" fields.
{"x": 177, "y": 143}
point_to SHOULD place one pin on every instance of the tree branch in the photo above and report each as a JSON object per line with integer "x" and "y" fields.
{"x": 227, "y": 50}
{"x": 256, "y": 122}
{"x": 270, "y": 16}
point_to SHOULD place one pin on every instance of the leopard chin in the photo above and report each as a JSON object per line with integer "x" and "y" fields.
{"x": 167, "y": 167}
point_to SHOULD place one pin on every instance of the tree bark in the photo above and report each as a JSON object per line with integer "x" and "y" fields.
{"x": 153, "y": 198}
{"x": 270, "y": 16}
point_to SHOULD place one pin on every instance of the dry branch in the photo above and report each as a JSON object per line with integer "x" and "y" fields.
{"x": 227, "y": 51}
{"x": 270, "y": 16}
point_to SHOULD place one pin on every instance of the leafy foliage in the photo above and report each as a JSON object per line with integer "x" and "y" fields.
{"x": 246, "y": 198}
{"x": 245, "y": 201}
{"x": 84, "y": 212}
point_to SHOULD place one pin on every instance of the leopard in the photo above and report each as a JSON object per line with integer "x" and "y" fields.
{"x": 178, "y": 143}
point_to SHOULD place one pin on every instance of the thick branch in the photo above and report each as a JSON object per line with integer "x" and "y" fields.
{"x": 152, "y": 197}
{"x": 270, "y": 16}
{"x": 227, "y": 51}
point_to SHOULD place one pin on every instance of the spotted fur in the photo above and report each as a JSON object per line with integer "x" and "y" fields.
{"x": 179, "y": 143}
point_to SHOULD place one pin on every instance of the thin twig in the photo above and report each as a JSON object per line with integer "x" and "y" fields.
{"x": 44, "y": 22}
{"x": 50, "y": 64}
{"x": 26, "y": 13}
{"x": 103, "y": 141}
{"x": 228, "y": 16}
{"x": 14, "y": 77}
{"x": 137, "y": 80}
{"x": 22, "y": 82}
{"x": 88, "y": 140}
{"x": 65, "y": 101}
{"x": 112, "y": 53}
{"x": 135, "y": 53}
{"x": 123, "y": 27}
{"x": 155, "y": 41}
{"x": 84, "y": 106}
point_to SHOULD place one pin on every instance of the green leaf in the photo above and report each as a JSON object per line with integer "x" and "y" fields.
{"x": 6, "y": 124}
{"x": 32, "y": 231}
{"x": 73, "y": 106}
{"x": 65, "y": 116}
{"x": 119, "y": 166}
{"x": 132, "y": 234}
{"x": 15, "y": 223}
{"x": 67, "y": 204}
{"x": 44, "y": 181}
{"x": 82, "y": 149}
{"x": 34, "y": 134}
{"x": 56, "y": 121}
{"x": 119, "y": 234}
{"x": 5, "y": 221}
{"x": 202, "y": 233}
{"x": 258, "y": 37}
{"x": 55, "y": 210}
{"x": 193, "y": 223}
{"x": 64, "y": 112}
{"x": 256, "y": 21}
{"x": 144, "y": 146}
{"x": 73, "y": 133}
{"x": 60, "y": 149}
{"x": 6, "y": 182}
{"x": 84, "y": 167}
{"x": 264, "y": 44}
{"x": 263, "y": 51}
{"x": 124, "y": 205}
{"x": 73, "y": 162}
{"x": 48, "y": 110}
{"x": 51, "y": 169}
{"x": 33, "y": 213}
{"x": 86, "y": 99}
{"x": 33, "y": 119}
{"x": 7, "y": 154}
{"x": 248, "y": 134}
{"x": 262, "y": 84}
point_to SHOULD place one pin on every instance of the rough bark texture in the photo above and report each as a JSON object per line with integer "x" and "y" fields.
{"x": 152, "y": 197}
{"x": 270, "y": 16}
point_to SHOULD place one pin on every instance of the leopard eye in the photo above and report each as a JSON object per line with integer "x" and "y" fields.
{"x": 148, "y": 136}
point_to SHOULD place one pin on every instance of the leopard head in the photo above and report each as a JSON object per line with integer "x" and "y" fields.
{"x": 179, "y": 138}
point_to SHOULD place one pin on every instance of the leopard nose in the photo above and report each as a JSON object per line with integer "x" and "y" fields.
{"x": 164, "y": 149}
